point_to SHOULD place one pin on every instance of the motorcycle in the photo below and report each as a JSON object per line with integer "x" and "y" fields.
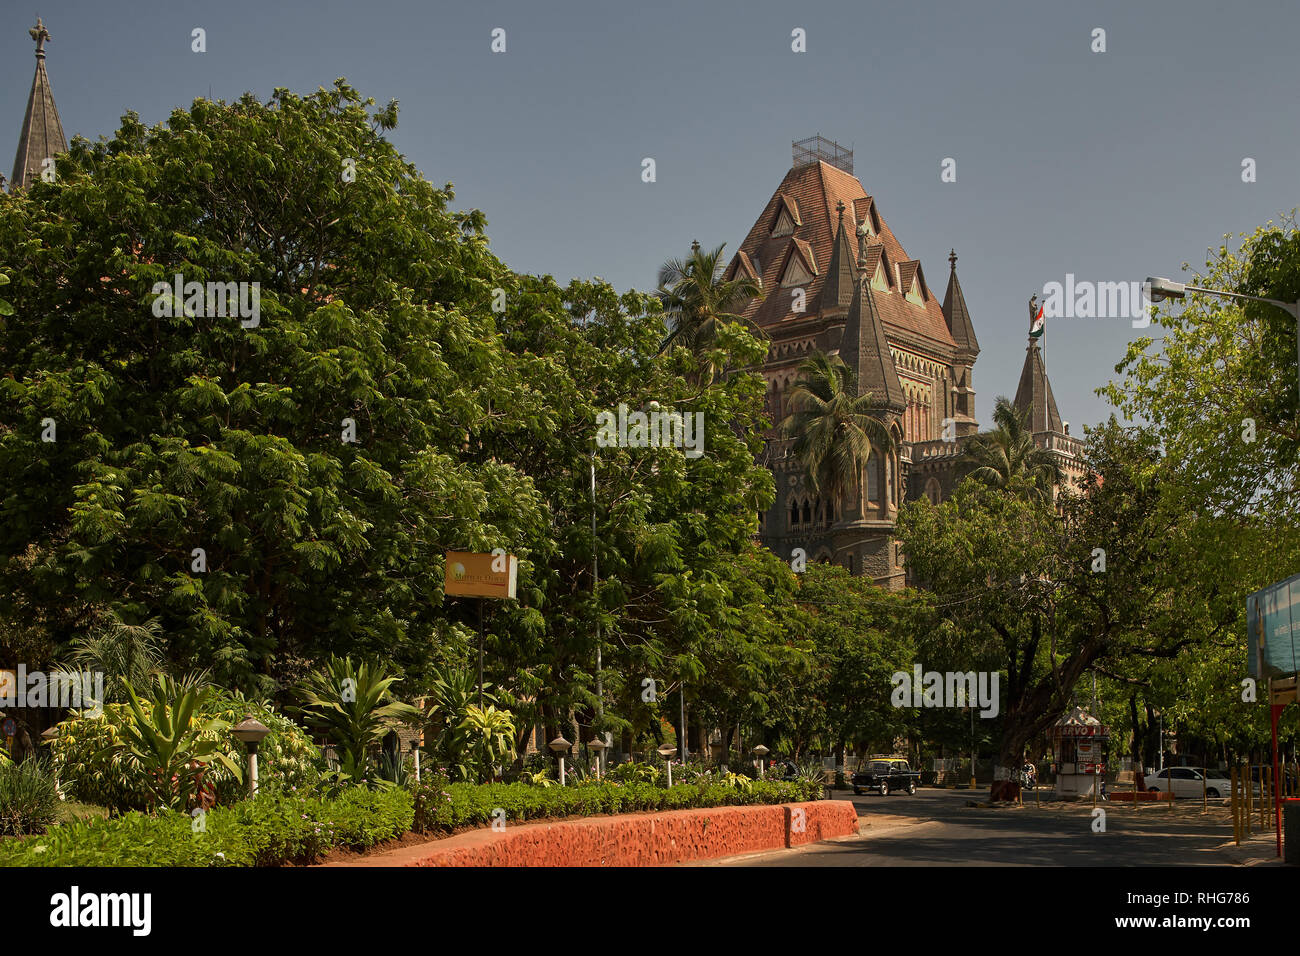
{"x": 1028, "y": 777}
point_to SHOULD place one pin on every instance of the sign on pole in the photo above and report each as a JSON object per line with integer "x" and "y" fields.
{"x": 1273, "y": 627}
{"x": 470, "y": 574}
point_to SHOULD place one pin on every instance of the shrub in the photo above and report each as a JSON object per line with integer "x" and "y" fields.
{"x": 268, "y": 831}
{"x": 29, "y": 797}
{"x": 287, "y": 759}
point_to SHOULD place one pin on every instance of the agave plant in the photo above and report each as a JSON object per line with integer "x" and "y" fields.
{"x": 351, "y": 703}
{"x": 166, "y": 737}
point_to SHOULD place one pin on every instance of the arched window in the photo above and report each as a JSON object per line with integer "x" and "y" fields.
{"x": 872, "y": 469}
{"x": 889, "y": 479}
{"x": 933, "y": 491}
{"x": 794, "y": 513}
{"x": 807, "y": 512}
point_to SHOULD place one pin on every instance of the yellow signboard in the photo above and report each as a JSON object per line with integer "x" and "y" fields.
{"x": 470, "y": 574}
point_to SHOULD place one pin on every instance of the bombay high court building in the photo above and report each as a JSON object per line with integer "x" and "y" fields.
{"x": 833, "y": 277}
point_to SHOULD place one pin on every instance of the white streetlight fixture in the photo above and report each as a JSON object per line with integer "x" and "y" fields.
{"x": 761, "y": 752}
{"x": 559, "y": 746}
{"x": 1159, "y": 288}
{"x": 597, "y": 745}
{"x": 415, "y": 751}
{"x": 251, "y": 732}
{"x": 667, "y": 751}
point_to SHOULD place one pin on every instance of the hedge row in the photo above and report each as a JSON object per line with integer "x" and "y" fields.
{"x": 282, "y": 828}
{"x": 463, "y": 804}
{"x": 268, "y": 831}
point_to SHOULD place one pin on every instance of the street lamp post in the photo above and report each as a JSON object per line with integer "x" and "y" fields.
{"x": 667, "y": 751}
{"x": 559, "y": 746}
{"x": 251, "y": 732}
{"x": 1159, "y": 288}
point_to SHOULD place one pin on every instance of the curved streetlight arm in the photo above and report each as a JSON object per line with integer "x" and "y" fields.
{"x": 1292, "y": 307}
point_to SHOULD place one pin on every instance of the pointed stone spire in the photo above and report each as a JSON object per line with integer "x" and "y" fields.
{"x": 955, "y": 311}
{"x": 841, "y": 274}
{"x": 42, "y": 133}
{"x": 865, "y": 349}
{"x": 1035, "y": 392}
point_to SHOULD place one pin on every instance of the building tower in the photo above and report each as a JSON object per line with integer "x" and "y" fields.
{"x": 1034, "y": 397}
{"x": 819, "y": 290}
{"x": 42, "y": 136}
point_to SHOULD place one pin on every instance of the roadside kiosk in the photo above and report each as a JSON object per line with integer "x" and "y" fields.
{"x": 1081, "y": 743}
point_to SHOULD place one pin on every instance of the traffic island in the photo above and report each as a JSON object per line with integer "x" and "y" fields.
{"x": 645, "y": 839}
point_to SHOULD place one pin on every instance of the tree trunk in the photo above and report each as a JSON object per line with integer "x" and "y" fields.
{"x": 1135, "y": 745}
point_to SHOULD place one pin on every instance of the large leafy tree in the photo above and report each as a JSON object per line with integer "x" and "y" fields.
{"x": 1219, "y": 388}
{"x": 195, "y": 432}
{"x": 834, "y": 428}
{"x": 1029, "y": 595}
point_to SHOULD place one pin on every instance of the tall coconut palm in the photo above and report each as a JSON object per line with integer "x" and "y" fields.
{"x": 1006, "y": 456}
{"x": 696, "y": 299}
{"x": 833, "y": 426}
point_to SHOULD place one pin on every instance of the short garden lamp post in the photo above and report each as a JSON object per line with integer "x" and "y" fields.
{"x": 667, "y": 751}
{"x": 597, "y": 745}
{"x": 49, "y": 735}
{"x": 761, "y": 753}
{"x": 559, "y": 746}
{"x": 415, "y": 752}
{"x": 251, "y": 732}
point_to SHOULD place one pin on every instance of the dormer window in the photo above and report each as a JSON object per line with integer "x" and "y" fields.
{"x": 787, "y": 217}
{"x": 800, "y": 266}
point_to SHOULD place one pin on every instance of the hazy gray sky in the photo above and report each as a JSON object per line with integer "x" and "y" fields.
{"x": 1110, "y": 166}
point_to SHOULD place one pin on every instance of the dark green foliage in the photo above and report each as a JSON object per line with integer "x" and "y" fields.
{"x": 268, "y": 831}
{"x": 29, "y": 797}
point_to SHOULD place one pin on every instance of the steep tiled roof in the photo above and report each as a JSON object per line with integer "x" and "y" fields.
{"x": 42, "y": 133}
{"x": 1036, "y": 390}
{"x": 955, "y": 311}
{"x": 816, "y": 189}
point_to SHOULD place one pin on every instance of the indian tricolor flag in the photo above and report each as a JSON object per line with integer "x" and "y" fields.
{"x": 1036, "y": 326}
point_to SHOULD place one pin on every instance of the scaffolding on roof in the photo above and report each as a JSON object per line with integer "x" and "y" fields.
{"x": 819, "y": 149}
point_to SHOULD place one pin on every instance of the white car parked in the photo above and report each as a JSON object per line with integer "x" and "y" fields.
{"x": 1191, "y": 782}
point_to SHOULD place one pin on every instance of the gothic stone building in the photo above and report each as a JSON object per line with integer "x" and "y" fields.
{"x": 833, "y": 277}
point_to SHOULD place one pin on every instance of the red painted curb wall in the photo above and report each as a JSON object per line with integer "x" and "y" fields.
{"x": 652, "y": 839}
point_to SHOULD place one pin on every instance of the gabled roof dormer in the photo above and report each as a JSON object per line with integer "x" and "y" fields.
{"x": 800, "y": 265}
{"x": 864, "y": 212}
{"x": 876, "y": 266}
{"x": 743, "y": 268}
{"x": 787, "y": 217}
{"x": 911, "y": 282}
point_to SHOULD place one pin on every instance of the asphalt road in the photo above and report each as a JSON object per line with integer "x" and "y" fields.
{"x": 935, "y": 827}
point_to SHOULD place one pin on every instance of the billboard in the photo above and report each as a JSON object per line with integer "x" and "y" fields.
{"x": 1272, "y": 629}
{"x": 470, "y": 574}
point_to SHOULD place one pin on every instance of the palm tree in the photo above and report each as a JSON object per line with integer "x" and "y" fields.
{"x": 696, "y": 299}
{"x": 1007, "y": 457}
{"x": 833, "y": 426}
